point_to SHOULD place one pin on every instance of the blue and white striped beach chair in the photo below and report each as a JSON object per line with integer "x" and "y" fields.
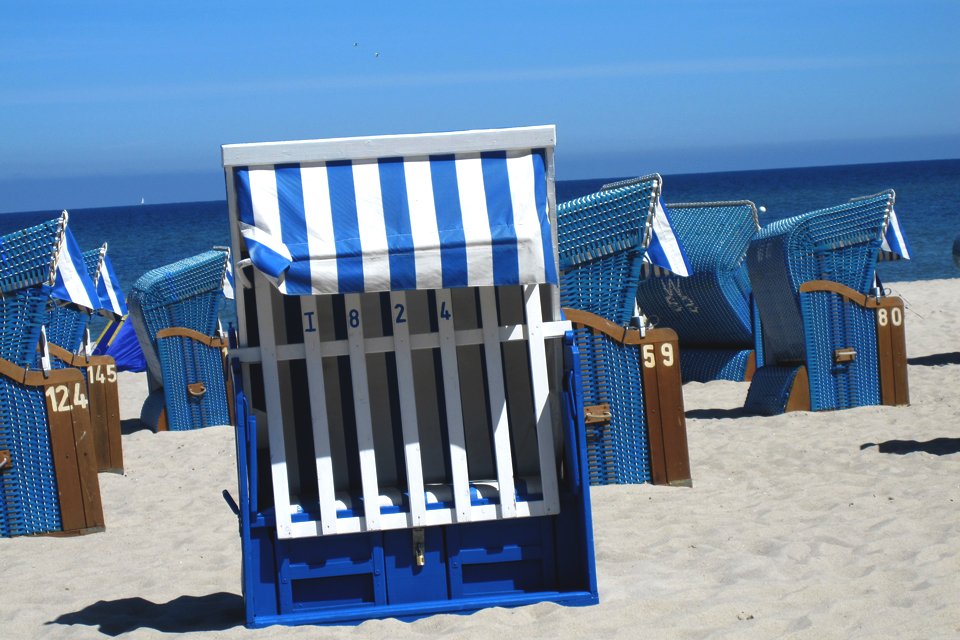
{"x": 48, "y": 477}
{"x": 174, "y": 310}
{"x": 712, "y": 309}
{"x": 831, "y": 341}
{"x": 400, "y": 342}
{"x": 605, "y": 240}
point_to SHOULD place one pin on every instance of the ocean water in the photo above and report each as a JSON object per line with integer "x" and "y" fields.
{"x": 147, "y": 236}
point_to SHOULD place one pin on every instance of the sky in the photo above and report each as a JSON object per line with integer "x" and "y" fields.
{"x": 105, "y": 103}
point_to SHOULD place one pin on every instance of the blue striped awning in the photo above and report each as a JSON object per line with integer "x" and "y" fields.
{"x": 665, "y": 250}
{"x": 73, "y": 284}
{"x": 108, "y": 290}
{"x": 385, "y": 224}
{"x": 894, "y": 246}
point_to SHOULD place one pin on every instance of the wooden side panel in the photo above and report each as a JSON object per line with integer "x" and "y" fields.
{"x": 104, "y": 396}
{"x": 663, "y": 402}
{"x": 73, "y": 452}
{"x": 892, "y": 352}
{"x": 799, "y": 398}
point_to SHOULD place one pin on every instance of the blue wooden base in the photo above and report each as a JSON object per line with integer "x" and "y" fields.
{"x": 349, "y": 578}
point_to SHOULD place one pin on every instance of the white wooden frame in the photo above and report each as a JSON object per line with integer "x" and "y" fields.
{"x": 539, "y": 329}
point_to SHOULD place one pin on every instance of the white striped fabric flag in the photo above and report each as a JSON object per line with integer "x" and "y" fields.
{"x": 665, "y": 250}
{"x": 391, "y": 224}
{"x": 228, "y": 291}
{"x": 73, "y": 284}
{"x": 894, "y": 246}
{"x": 108, "y": 289}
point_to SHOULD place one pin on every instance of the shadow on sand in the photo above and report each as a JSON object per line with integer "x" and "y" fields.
{"x": 132, "y": 425}
{"x": 936, "y": 447}
{"x": 214, "y": 612}
{"x": 711, "y": 414}
{"x": 936, "y": 359}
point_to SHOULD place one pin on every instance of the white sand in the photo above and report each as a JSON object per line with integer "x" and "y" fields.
{"x": 797, "y": 526}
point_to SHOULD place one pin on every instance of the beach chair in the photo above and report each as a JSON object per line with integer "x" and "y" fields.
{"x": 712, "y": 309}
{"x": 174, "y": 310}
{"x": 68, "y": 338}
{"x": 831, "y": 341}
{"x": 48, "y": 476}
{"x": 636, "y": 431}
{"x": 410, "y": 435}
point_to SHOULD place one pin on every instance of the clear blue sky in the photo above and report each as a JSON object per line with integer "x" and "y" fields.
{"x": 104, "y": 102}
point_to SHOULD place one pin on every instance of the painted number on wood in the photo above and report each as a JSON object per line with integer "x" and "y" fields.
{"x": 102, "y": 373}
{"x": 399, "y": 309}
{"x": 444, "y": 312}
{"x": 895, "y": 317}
{"x": 649, "y": 353}
{"x": 354, "y": 318}
{"x": 60, "y": 397}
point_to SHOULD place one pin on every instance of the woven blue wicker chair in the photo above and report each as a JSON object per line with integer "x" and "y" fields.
{"x": 810, "y": 274}
{"x": 47, "y": 481}
{"x": 604, "y": 238}
{"x": 174, "y": 311}
{"x": 712, "y": 309}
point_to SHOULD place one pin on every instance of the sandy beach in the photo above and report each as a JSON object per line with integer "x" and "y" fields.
{"x": 828, "y": 525}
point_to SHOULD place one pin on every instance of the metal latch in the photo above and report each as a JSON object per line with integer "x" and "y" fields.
{"x": 846, "y": 354}
{"x": 197, "y": 389}
{"x": 5, "y": 459}
{"x": 418, "y": 548}
{"x": 594, "y": 413}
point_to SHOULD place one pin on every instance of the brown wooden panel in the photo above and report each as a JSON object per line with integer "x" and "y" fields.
{"x": 751, "y": 367}
{"x": 104, "y": 397}
{"x": 892, "y": 351}
{"x": 654, "y": 417}
{"x": 799, "y": 398}
{"x": 673, "y": 421}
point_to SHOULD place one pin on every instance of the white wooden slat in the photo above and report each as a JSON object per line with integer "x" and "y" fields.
{"x": 498, "y": 401}
{"x": 307, "y": 151}
{"x": 318, "y": 415}
{"x": 463, "y": 337}
{"x": 274, "y": 405}
{"x": 451, "y": 393}
{"x": 408, "y": 407}
{"x": 361, "y": 405}
{"x": 540, "y": 384}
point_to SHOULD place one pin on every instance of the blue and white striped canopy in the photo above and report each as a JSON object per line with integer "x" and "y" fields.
{"x": 665, "y": 250}
{"x": 894, "y": 246}
{"x": 108, "y": 290}
{"x": 73, "y": 284}
{"x": 425, "y": 222}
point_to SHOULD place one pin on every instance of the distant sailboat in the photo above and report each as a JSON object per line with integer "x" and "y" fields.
{"x": 141, "y": 200}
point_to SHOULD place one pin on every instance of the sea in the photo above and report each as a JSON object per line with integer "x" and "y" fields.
{"x": 142, "y": 237}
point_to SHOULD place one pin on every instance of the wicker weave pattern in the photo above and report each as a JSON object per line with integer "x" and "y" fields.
{"x": 617, "y": 452}
{"x": 704, "y": 365}
{"x": 27, "y": 257}
{"x": 602, "y": 238}
{"x": 29, "y": 502}
{"x": 833, "y": 323}
{"x": 21, "y": 316}
{"x": 185, "y": 294}
{"x": 711, "y": 307}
